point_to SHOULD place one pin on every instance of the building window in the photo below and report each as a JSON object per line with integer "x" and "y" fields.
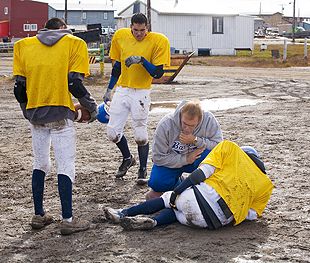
{"x": 27, "y": 27}
{"x": 6, "y": 10}
{"x": 105, "y": 16}
{"x": 84, "y": 15}
{"x": 217, "y": 25}
{"x": 34, "y": 27}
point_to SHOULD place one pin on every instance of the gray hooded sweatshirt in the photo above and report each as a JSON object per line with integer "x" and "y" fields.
{"x": 168, "y": 151}
{"x": 49, "y": 114}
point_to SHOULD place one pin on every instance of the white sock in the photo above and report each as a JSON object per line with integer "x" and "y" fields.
{"x": 69, "y": 220}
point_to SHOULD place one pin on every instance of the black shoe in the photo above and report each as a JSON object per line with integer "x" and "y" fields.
{"x": 126, "y": 164}
{"x": 142, "y": 174}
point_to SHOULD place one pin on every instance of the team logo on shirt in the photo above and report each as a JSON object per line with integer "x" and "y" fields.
{"x": 180, "y": 148}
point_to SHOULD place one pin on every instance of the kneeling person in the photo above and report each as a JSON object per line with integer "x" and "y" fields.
{"x": 181, "y": 141}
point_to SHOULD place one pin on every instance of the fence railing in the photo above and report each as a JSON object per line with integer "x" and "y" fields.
{"x": 6, "y": 47}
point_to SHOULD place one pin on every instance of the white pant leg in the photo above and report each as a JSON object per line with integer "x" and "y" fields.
{"x": 64, "y": 145}
{"x": 41, "y": 142}
{"x": 140, "y": 106}
{"x": 119, "y": 111}
{"x": 189, "y": 212}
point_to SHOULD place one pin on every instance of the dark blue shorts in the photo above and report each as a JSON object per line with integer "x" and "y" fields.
{"x": 164, "y": 179}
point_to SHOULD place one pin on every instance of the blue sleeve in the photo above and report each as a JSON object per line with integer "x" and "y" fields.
{"x": 116, "y": 72}
{"x": 155, "y": 71}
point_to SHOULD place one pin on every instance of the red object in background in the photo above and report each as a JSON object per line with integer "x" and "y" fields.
{"x": 25, "y": 17}
{"x": 4, "y": 28}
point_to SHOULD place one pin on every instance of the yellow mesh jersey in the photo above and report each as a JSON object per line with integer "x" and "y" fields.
{"x": 46, "y": 69}
{"x": 238, "y": 180}
{"x": 154, "y": 47}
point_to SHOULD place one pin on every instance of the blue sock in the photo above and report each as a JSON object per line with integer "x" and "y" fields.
{"x": 146, "y": 208}
{"x": 123, "y": 146}
{"x": 166, "y": 217}
{"x": 65, "y": 193}
{"x": 143, "y": 155}
{"x": 38, "y": 177}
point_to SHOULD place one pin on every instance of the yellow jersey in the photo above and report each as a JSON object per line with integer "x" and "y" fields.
{"x": 46, "y": 69}
{"x": 154, "y": 47}
{"x": 238, "y": 180}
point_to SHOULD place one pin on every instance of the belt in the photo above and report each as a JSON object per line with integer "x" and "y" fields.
{"x": 224, "y": 208}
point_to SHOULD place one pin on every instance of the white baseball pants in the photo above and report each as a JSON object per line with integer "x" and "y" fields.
{"x": 62, "y": 136}
{"x": 135, "y": 102}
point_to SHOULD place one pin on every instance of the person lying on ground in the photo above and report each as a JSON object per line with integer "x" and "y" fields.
{"x": 229, "y": 187}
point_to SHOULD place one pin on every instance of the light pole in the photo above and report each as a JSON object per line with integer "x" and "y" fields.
{"x": 294, "y": 22}
{"x": 66, "y": 11}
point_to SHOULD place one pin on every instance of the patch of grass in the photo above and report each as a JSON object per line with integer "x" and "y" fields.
{"x": 257, "y": 58}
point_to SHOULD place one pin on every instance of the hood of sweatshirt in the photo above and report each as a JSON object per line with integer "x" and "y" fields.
{"x": 50, "y": 37}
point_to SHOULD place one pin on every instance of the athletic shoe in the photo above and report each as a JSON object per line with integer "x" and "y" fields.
{"x": 142, "y": 174}
{"x": 38, "y": 221}
{"x": 140, "y": 222}
{"x": 77, "y": 225}
{"x": 113, "y": 215}
{"x": 126, "y": 164}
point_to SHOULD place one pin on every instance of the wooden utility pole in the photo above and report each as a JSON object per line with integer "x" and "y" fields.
{"x": 149, "y": 14}
{"x": 294, "y": 22}
{"x": 66, "y": 11}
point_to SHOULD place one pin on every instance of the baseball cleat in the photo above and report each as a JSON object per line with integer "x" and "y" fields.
{"x": 126, "y": 164}
{"x": 114, "y": 215}
{"x": 140, "y": 222}
{"x": 142, "y": 174}
{"x": 77, "y": 225}
{"x": 38, "y": 221}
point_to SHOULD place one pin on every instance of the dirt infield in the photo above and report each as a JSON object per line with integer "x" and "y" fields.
{"x": 278, "y": 127}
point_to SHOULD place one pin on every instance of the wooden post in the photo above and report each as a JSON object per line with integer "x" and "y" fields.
{"x": 294, "y": 22}
{"x": 149, "y": 15}
{"x": 305, "y": 49}
{"x": 285, "y": 50}
{"x": 101, "y": 59}
{"x": 66, "y": 11}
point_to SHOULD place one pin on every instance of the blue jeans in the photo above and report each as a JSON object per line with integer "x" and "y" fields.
{"x": 163, "y": 179}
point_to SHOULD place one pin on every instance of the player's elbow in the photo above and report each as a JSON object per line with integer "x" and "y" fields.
{"x": 158, "y": 72}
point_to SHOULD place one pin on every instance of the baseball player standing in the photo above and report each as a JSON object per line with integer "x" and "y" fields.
{"x": 138, "y": 56}
{"x": 48, "y": 67}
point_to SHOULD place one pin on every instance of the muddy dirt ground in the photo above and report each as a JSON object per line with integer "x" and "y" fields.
{"x": 278, "y": 127}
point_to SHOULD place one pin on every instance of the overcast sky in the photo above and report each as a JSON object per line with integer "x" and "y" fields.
{"x": 237, "y": 6}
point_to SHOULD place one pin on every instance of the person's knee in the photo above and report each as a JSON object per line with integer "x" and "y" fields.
{"x": 142, "y": 142}
{"x": 44, "y": 166}
{"x": 113, "y": 136}
{"x": 152, "y": 194}
{"x": 141, "y": 136}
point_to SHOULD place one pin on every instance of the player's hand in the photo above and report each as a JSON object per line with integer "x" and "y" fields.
{"x": 186, "y": 138}
{"x": 173, "y": 197}
{"x": 193, "y": 156}
{"x": 107, "y": 95}
{"x": 133, "y": 60}
{"x": 93, "y": 115}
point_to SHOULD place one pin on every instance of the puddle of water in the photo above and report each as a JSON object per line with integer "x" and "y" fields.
{"x": 164, "y": 107}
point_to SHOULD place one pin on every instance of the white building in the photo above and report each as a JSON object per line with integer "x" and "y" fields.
{"x": 190, "y": 29}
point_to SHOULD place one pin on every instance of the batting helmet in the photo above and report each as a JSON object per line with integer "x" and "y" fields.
{"x": 103, "y": 113}
{"x": 250, "y": 150}
{"x": 253, "y": 154}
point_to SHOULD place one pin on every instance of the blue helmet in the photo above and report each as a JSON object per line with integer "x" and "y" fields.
{"x": 250, "y": 150}
{"x": 103, "y": 113}
{"x": 253, "y": 154}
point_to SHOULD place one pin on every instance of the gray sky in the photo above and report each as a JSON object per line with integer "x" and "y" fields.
{"x": 235, "y": 6}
